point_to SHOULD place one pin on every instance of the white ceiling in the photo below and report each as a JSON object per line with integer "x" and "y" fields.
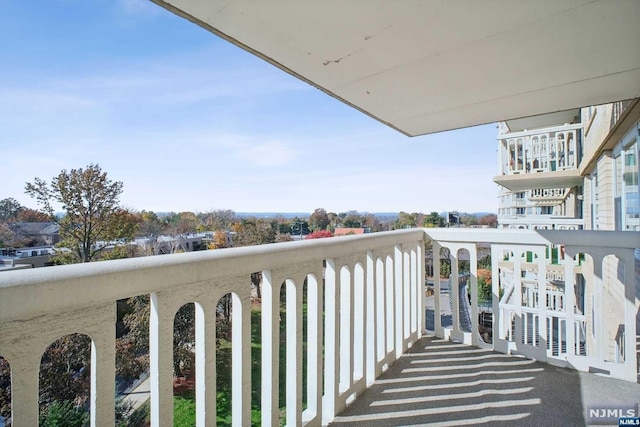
{"x": 424, "y": 66}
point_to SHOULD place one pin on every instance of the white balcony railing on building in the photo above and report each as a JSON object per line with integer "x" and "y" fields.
{"x": 540, "y": 222}
{"x": 547, "y": 150}
{"x": 546, "y": 326}
{"x": 548, "y": 196}
{"x": 368, "y": 289}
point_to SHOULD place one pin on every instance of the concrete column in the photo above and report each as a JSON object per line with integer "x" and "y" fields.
{"x": 542, "y": 305}
{"x": 437, "y": 287}
{"x": 371, "y": 324}
{"x": 406, "y": 296}
{"x": 331, "y": 355}
{"x": 314, "y": 347}
{"x": 569, "y": 304}
{"x": 517, "y": 289}
{"x": 473, "y": 263}
{"x": 498, "y": 343}
{"x": 600, "y": 332}
{"x": 454, "y": 292}
{"x": 270, "y": 349}
{"x": 422, "y": 318}
{"x": 241, "y": 354}
{"x": 161, "y": 360}
{"x": 399, "y": 302}
{"x": 103, "y": 367}
{"x": 630, "y": 332}
{"x": 206, "y": 361}
{"x": 294, "y": 351}
{"x": 25, "y": 371}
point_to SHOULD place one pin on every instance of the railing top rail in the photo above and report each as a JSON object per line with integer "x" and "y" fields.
{"x": 606, "y": 239}
{"x": 27, "y": 293}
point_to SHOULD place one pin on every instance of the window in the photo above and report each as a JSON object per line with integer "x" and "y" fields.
{"x": 626, "y": 190}
{"x": 630, "y": 199}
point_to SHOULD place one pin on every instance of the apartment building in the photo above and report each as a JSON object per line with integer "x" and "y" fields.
{"x": 575, "y": 170}
{"x": 571, "y": 170}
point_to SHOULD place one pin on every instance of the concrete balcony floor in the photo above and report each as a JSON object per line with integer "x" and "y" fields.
{"x": 442, "y": 383}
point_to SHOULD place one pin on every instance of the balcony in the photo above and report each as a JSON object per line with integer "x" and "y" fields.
{"x": 548, "y": 196}
{"x": 546, "y": 158}
{"x": 369, "y": 291}
{"x": 540, "y": 222}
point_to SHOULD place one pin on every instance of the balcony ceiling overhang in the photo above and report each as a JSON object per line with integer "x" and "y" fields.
{"x": 544, "y": 120}
{"x": 428, "y": 66}
{"x": 556, "y": 179}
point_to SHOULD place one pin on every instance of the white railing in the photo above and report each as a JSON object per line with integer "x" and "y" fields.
{"x": 540, "y": 222}
{"x": 368, "y": 289}
{"x": 545, "y": 331}
{"x": 547, "y": 150}
{"x": 555, "y": 300}
{"x": 554, "y": 193}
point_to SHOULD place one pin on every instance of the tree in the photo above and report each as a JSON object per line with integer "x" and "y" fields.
{"x": 5, "y": 388}
{"x": 372, "y": 222}
{"x": 490, "y": 220}
{"x": 132, "y": 348}
{"x": 150, "y": 224}
{"x": 90, "y": 199}
{"x": 64, "y": 371}
{"x": 334, "y": 220}
{"x": 252, "y": 231}
{"x": 187, "y": 223}
{"x": 484, "y": 285}
{"x": 220, "y": 239}
{"x": 468, "y": 220}
{"x": 9, "y": 209}
{"x": 6, "y": 235}
{"x": 352, "y": 221}
{"x": 219, "y": 219}
{"x": 298, "y": 227}
{"x": 319, "y": 220}
{"x": 32, "y": 215}
{"x": 283, "y": 237}
{"x": 64, "y": 413}
{"x": 433, "y": 220}
{"x": 406, "y": 220}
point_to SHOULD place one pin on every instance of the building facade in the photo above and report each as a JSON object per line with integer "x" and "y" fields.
{"x": 579, "y": 173}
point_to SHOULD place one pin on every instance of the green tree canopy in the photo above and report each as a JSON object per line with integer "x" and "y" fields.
{"x": 252, "y": 231}
{"x": 319, "y": 220}
{"x": 93, "y": 217}
{"x": 434, "y": 220}
{"x": 150, "y": 224}
{"x": 9, "y": 209}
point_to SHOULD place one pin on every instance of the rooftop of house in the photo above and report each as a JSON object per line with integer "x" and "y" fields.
{"x": 34, "y": 228}
{"x": 344, "y": 231}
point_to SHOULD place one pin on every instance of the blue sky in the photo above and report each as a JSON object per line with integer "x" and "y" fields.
{"x": 190, "y": 122}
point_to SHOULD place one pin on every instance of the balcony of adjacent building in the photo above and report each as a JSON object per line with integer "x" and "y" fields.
{"x": 541, "y": 208}
{"x": 543, "y": 158}
{"x": 351, "y": 308}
